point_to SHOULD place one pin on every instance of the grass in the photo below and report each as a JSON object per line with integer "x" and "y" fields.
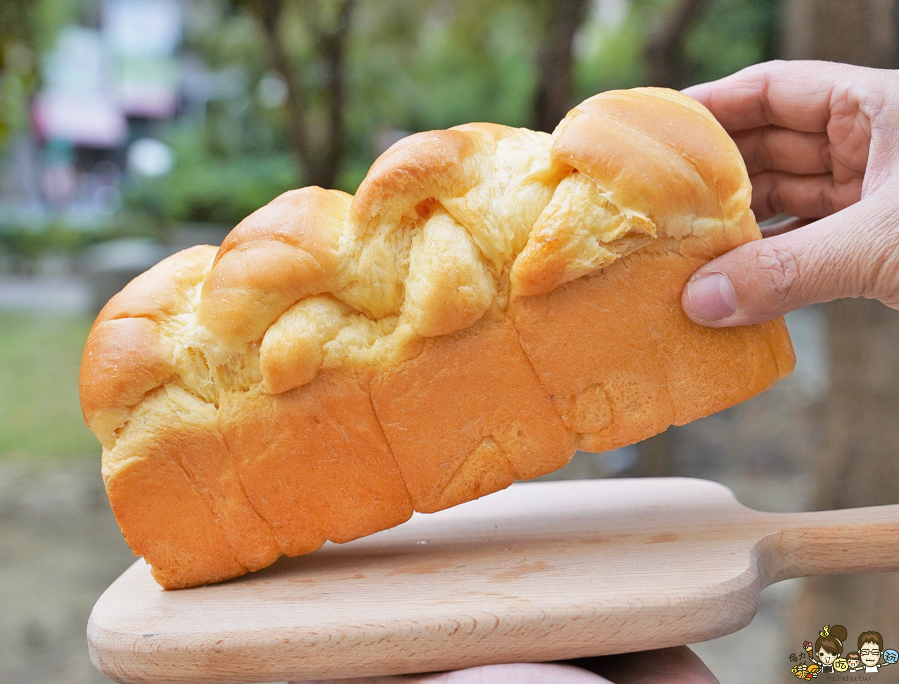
{"x": 39, "y": 411}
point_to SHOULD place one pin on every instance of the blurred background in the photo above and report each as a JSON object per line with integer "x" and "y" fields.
{"x": 130, "y": 129}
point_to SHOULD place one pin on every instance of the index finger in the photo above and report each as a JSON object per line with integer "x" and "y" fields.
{"x": 794, "y": 95}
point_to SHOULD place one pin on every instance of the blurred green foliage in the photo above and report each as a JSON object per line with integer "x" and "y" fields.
{"x": 729, "y": 35}
{"x": 220, "y": 186}
{"x": 59, "y": 237}
{"x": 39, "y": 410}
{"x": 732, "y": 35}
{"x": 412, "y": 65}
{"x": 16, "y": 66}
{"x": 448, "y": 64}
{"x": 28, "y": 29}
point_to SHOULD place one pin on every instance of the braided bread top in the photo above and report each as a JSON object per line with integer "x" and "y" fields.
{"x": 446, "y": 226}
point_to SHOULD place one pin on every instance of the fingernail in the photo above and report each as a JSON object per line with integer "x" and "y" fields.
{"x": 712, "y": 297}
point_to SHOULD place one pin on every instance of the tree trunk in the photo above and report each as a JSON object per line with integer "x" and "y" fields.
{"x": 853, "y": 31}
{"x": 270, "y": 13}
{"x": 332, "y": 45}
{"x": 554, "y": 94}
{"x": 859, "y": 460}
{"x": 664, "y": 53}
{"x": 318, "y": 157}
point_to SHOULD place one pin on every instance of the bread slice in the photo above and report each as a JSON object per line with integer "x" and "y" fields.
{"x": 491, "y": 300}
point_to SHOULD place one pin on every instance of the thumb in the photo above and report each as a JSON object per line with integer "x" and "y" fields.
{"x": 852, "y": 253}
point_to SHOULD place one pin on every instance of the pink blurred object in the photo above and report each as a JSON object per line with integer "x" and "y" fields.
{"x": 85, "y": 119}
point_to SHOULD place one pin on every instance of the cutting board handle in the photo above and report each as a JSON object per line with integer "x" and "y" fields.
{"x": 831, "y": 543}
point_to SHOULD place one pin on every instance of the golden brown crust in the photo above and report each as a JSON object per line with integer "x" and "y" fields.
{"x": 653, "y": 164}
{"x": 466, "y": 417}
{"x": 161, "y": 292}
{"x": 163, "y": 516}
{"x": 658, "y": 153}
{"x": 491, "y": 299}
{"x": 314, "y": 462}
{"x": 280, "y": 254}
{"x": 179, "y": 433}
{"x": 418, "y": 167}
{"x": 125, "y": 358}
{"x": 621, "y": 361}
{"x": 128, "y": 353}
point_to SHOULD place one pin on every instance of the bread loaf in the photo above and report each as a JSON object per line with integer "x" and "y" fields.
{"x": 491, "y": 300}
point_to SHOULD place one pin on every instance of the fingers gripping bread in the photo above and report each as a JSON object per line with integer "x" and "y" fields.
{"x": 489, "y": 301}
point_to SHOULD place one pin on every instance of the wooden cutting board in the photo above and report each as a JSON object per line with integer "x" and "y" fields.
{"x": 540, "y": 571}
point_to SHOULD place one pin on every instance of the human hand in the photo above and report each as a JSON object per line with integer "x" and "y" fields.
{"x": 665, "y": 666}
{"x": 821, "y": 143}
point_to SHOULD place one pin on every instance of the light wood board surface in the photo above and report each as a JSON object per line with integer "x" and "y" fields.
{"x": 540, "y": 571}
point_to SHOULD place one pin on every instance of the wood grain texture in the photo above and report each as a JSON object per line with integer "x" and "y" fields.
{"x": 540, "y": 571}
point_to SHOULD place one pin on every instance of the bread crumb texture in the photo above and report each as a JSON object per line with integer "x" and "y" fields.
{"x": 490, "y": 300}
